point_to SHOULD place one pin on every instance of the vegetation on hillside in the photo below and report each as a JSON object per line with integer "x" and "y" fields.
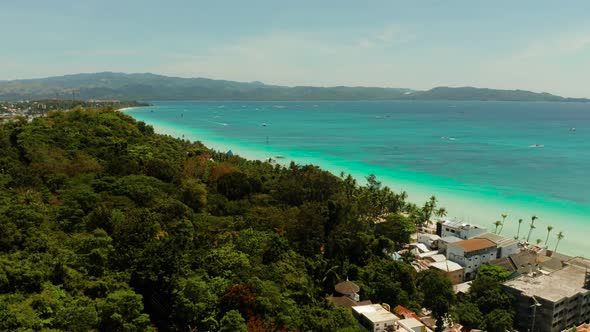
{"x": 157, "y": 87}
{"x": 107, "y": 226}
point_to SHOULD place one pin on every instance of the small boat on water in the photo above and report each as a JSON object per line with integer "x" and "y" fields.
{"x": 573, "y": 129}
{"x": 536, "y": 146}
{"x": 280, "y": 157}
{"x": 263, "y": 125}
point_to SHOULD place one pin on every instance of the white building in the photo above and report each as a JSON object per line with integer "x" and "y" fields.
{"x": 506, "y": 246}
{"x": 471, "y": 254}
{"x": 374, "y": 317}
{"x": 430, "y": 240}
{"x": 412, "y": 325}
{"x": 459, "y": 229}
{"x": 451, "y": 270}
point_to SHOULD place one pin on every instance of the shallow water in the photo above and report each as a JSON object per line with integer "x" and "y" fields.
{"x": 481, "y": 159}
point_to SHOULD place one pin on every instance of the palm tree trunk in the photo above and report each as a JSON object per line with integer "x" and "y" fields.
{"x": 529, "y": 235}
{"x": 518, "y": 232}
{"x": 557, "y": 244}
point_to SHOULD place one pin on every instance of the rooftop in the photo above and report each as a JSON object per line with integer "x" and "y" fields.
{"x": 437, "y": 258}
{"x": 475, "y": 244}
{"x": 375, "y": 313}
{"x": 411, "y": 324}
{"x": 499, "y": 240}
{"x": 347, "y": 288}
{"x": 554, "y": 286}
{"x": 346, "y": 301}
{"x": 462, "y": 287}
{"x": 405, "y": 312}
{"x": 450, "y": 239}
{"x": 459, "y": 224}
{"x": 447, "y": 266}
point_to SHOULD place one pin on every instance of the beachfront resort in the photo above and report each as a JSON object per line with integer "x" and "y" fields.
{"x": 551, "y": 291}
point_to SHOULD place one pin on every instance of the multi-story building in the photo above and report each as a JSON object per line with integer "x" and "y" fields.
{"x": 471, "y": 254}
{"x": 451, "y": 270}
{"x": 506, "y": 246}
{"x": 375, "y": 318}
{"x": 552, "y": 302}
{"x": 459, "y": 229}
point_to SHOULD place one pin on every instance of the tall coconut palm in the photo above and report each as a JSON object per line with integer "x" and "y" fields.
{"x": 532, "y": 226}
{"x": 559, "y": 238}
{"x": 497, "y": 223}
{"x": 518, "y": 232}
{"x": 549, "y": 229}
{"x": 503, "y": 220}
{"x": 441, "y": 212}
{"x": 538, "y": 241}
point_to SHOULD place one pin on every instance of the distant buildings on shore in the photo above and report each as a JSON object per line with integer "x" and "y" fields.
{"x": 551, "y": 290}
{"x": 29, "y": 110}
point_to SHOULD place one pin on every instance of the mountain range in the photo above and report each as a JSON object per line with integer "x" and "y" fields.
{"x": 147, "y": 86}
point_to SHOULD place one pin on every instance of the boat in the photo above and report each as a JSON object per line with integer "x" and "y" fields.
{"x": 536, "y": 146}
{"x": 263, "y": 125}
{"x": 280, "y": 157}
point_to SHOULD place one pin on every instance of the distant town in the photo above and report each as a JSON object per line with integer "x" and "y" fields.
{"x": 30, "y": 109}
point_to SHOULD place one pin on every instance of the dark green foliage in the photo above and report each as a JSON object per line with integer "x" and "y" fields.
{"x": 487, "y": 306}
{"x": 106, "y": 226}
{"x": 437, "y": 292}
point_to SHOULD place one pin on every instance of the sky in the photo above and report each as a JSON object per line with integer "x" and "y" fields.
{"x": 539, "y": 45}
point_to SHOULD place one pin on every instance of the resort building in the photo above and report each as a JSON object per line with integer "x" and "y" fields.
{"x": 451, "y": 270}
{"x": 375, "y": 318}
{"x": 471, "y": 254}
{"x": 552, "y": 302}
{"x": 444, "y": 241}
{"x": 459, "y": 229}
{"x": 506, "y": 246}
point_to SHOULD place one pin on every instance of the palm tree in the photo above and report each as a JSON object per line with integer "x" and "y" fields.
{"x": 518, "y": 232}
{"x": 559, "y": 238}
{"x": 441, "y": 212}
{"x": 549, "y": 229}
{"x": 532, "y": 226}
{"x": 497, "y": 223}
{"x": 538, "y": 241}
{"x": 503, "y": 220}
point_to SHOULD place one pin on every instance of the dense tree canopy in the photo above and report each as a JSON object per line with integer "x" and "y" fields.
{"x": 107, "y": 226}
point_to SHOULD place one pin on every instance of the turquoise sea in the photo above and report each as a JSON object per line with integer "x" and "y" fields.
{"x": 481, "y": 159}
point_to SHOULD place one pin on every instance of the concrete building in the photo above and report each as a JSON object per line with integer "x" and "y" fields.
{"x": 459, "y": 229}
{"x": 375, "y": 318}
{"x": 506, "y": 246}
{"x": 517, "y": 264}
{"x": 552, "y": 302}
{"x": 451, "y": 270}
{"x": 430, "y": 240}
{"x": 471, "y": 254}
{"x": 444, "y": 242}
{"x": 412, "y": 325}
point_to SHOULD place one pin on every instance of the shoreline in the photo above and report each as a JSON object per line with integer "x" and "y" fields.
{"x": 481, "y": 207}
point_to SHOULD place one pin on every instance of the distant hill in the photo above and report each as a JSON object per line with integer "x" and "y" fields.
{"x": 470, "y": 93}
{"x": 108, "y": 85}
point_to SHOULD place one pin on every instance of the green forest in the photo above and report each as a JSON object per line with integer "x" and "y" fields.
{"x": 107, "y": 226}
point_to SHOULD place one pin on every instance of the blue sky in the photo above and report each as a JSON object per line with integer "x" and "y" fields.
{"x": 534, "y": 45}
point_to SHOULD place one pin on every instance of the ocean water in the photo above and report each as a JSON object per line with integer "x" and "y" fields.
{"x": 480, "y": 159}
